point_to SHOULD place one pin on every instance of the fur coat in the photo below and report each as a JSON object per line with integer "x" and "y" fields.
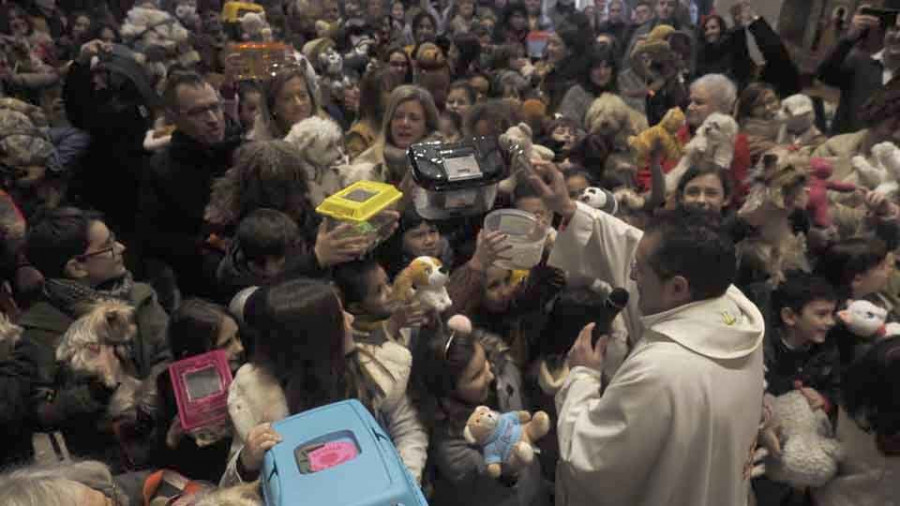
{"x": 256, "y": 397}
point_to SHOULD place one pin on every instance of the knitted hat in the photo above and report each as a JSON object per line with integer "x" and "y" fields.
{"x": 314, "y": 48}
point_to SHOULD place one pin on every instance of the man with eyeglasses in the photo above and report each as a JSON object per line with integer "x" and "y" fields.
{"x": 177, "y": 187}
{"x": 82, "y": 264}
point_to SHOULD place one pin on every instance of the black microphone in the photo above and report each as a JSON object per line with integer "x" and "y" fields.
{"x": 614, "y": 304}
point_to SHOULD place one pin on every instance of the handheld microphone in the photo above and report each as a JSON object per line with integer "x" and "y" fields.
{"x": 614, "y": 304}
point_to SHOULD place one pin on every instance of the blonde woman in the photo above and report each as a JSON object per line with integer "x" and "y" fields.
{"x": 410, "y": 117}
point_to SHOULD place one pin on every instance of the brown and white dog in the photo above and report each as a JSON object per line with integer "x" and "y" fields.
{"x": 424, "y": 279}
{"x": 96, "y": 345}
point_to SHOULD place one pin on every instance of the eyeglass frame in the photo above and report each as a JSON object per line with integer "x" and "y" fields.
{"x": 110, "y": 249}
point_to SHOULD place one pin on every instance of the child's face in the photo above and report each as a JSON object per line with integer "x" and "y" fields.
{"x": 229, "y": 341}
{"x": 873, "y": 280}
{"x": 576, "y": 185}
{"x": 269, "y": 267}
{"x": 424, "y": 240}
{"x": 705, "y": 192}
{"x": 535, "y": 206}
{"x": 447, "y": 128}
{"x": 397, "y": 12}
{"x": 498, "y": 290}
{"x": 377, "y": 303}
{"x": 564, "y": 136}
{"x": 481, "y": 85}
{"x": 248, "y": 109}
{"x": 814, "y": 321}
{"x": 458, "y": 101}
{"x": 466, "y": 9}
{"x": 474, "y": 385}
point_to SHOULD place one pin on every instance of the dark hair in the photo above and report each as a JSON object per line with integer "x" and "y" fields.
{"x": 591, "y": 152}
{"x": 751, "y": 97}
{"x": 692, "y": 245}
{"x": 704, "y": 170}
{"x": 571, "y": 310}
{"x": 524, "y": 191}
{"x": 464, "y": 85}
{"x": 597, "y": 55}
{"x": 6, "y": 13}
{"x": 194, "y": 328}
{"x": 797, "y": 290}
{"x": 247, "y": 87}
{"x": 175, "y": 81}
{"x": 710, "y": 17}
{"x": 418, "y": 18}
{"x": 97, "y": 30}
{"x": 373, "y": 85}
{"x": 438, "y": 365}
{"x": 870, "y": 388}
{"x": 469, "y": 48}
{"x": 411, "y": 219}
{"x": 408, "y": 77}
{"x": 848, "y": 258}
{"x": 351, "y": 278}
{"x": 266, "y": 232}
{"x": 300, "y": 340}
{"x": 578, "y": 171}
{"x": 58, "y": 236}
{"x": 499, "y": 112}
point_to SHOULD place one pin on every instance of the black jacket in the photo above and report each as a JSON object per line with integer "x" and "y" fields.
{"x": 816, "y": 366}
{"x": 780, "y": 70}
{"x": 858, "y": 76}
{"x": 174, "y": 195}
{"x": 16, "y": 425}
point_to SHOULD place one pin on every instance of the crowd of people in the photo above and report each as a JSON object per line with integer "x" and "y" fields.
{"x": 162, "y": 162}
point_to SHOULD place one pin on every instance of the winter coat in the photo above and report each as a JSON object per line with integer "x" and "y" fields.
{"x": 858, "y": 76}
{"x": 866, "y": 476}
{"x": 460, "y": 470}
{"x": 729, "y": 56}
{"x": 816, "y": 366}
{"x": 174, "y": 195}
{"x": 674, "y": 398}
{"x": 360, "y": 137}
{"x": 387, "y": 364}
{"x": 73, "y": 406}
{"x": 16, "y": 425}
{"x": 780, "y": 70}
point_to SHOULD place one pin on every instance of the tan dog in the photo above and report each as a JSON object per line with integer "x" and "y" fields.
{"x": 96, "y": 345}
{"x": 424, "y": 279}
{"x": 506, "y": 438}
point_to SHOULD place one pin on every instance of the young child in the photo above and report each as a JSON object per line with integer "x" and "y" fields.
{"x": 797, "y": 349}
{"x": 450, "y": 126}
{"x": 249, "y": 97}
{"x": 416, "y": 237}
{"x": 260, "y": 253}
{"x": 367, "y": 295}
{"x": 464, "y": 19}
{"x": 452, "y": 374}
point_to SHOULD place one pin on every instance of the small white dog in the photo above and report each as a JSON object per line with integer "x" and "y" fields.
{"x": 321, "y": 145}
{"x": 712, "y": 143}
{"x": 884, "y": 175}
{"x": 865, "y": 319}
{"x": 425, "y": 279}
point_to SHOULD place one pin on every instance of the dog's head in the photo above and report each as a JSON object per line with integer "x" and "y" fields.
{"x": 427, "y": 272}
{"x": 719, "y": 128}
{"x": 319, "y": 140}
{"x": 608, "y": 115}
{"x": 90, "y": 344}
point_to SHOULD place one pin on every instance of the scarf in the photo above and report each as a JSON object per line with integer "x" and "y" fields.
{"x": 69, "y": 295}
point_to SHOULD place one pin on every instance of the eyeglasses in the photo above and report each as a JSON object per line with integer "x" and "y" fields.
{"x": 111, "y": 246}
